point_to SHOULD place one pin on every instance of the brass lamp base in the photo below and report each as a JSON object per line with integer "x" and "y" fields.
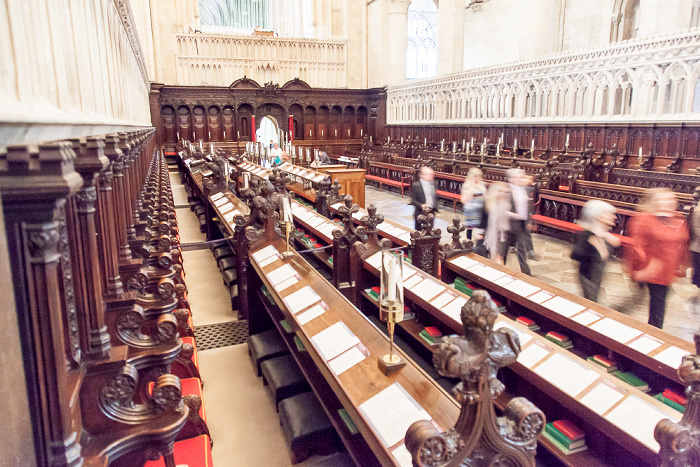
{"x": 389, "y": 363}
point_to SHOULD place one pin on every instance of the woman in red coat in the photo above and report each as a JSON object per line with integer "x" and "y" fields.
{"x": 660, "y": 249}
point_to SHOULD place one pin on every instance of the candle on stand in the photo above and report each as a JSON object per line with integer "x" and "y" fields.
{"x": 501, "y": 137}
{"x": 567, "y": 140}
{"x": 498, "y": 148}
{"x": 467, "y": 149}
{"x": 238, "y": 135}
{"x": 425, "y": 142}
{"x": 388, "y": 139}
{"x": 178, "y": 135}
{"x": 362, "y": 133}
{"x": 640, "y": 156}
{"x": 515, "y": 146}
{"x": 402, "y": 140}
{"x": 201, "y": 146}
{"x": 370, "y": 139}
{"x": 464, "y": 143}
{"x": 321, "y": 133}
{"x": 454, "y": 146}
{"x": 224, "y": 135}
{"x": 442, "y": 145}
{"x": 209, "y": 134}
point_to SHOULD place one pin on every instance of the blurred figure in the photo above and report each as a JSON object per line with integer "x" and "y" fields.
{"x": 528, "y": 182}
{"x": 519, "y": 214}
{"x": 695, "y": 244}
{"x": 498, "y": 222}
{"x": 323, "y": 158}
{"x": 423, "y": 193}
{"x": 473, "y": 198}
{"x": 592, "y": 246}
{"x": 276, "y": 154}
{"x": 660, "y": 248}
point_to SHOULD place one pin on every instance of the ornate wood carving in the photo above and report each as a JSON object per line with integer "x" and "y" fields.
{"x": 479, "y": 438}
{"x": 680, "y": 442}
{"x": 343, "y": 256}
{"x": 425, "y": 244}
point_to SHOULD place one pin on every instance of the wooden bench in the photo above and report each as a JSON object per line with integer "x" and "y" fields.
{"x": 454, "y": 197}
{"x": 571, "y": 227}
{"x": 382, "y": 174}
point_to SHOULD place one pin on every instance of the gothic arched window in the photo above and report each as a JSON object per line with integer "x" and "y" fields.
{"x": 421, "y": 53}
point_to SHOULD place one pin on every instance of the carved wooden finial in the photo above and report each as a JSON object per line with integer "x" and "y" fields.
{"x": 680, "y": 442}
{"x": 479, "y": 437}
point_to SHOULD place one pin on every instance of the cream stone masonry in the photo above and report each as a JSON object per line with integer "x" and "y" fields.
{"x": 650, "y": 79}
{"x": 219, "y": 60}
{"x": 70, "y": 68}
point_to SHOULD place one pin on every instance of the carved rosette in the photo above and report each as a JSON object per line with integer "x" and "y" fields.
{"x": 68, "y": 287}
{"x": 85, "y": 200}
{"x": 479, "y": 438}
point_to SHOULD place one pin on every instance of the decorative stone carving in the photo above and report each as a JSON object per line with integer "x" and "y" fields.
{"x": 479, "y": 438}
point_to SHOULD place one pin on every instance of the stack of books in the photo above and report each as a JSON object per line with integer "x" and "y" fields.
{"x": 606, "y": 363}
{"x": 373, "y": 292}
{"x": 672, "y": 399}
{"x": 632, "y": 380}
{"x": 430, "y": 334}
{"x": 461, "y": 285}
{"x": 527, "y": 322}
{"x": 560, "y": 339}
{"x": 566, "y": 436}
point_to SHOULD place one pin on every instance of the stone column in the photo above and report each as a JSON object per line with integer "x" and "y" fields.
{"x": 450, "y": 36}
{"x": 397, "y": 28}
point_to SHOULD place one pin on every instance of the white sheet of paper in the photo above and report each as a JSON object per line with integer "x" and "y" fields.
{"x": 412, "y": 281}
{"x": 334, "y": 340}
{"x": 615, "y": 330}
{"x": 639, "y": 418}
{"x": 301, "y": 299}
{"x": 269, "y": 260}
{"x": 402, "y": 456}
{"x": 383, "y": 226}
{"x": 464, "y": 262}
{"x": 391, "y": 412}
{"x": 358, "y": 215}
{"x": 540, "y": 296}
{"x": 524, "y": 336}
{"x": 522, "y": 288}
{"x": 486, "y": 272}
{"x": 673, "y": 356}
{"x": 264, "y": 253}
{"x": 336, "y": 205}
{"x": 454, "y": 308}
{"x": 221, "y": 201}
{"x": 427, "y": 289}
{"x": 562, "y": 306}
{"x": 645, "y": 344}
{"x": 404, "y": 237}
{"x": 346, "y": 360}
{"x": 376, "y": 260}
{"x": 226, "y": 207}
{"x": 216, "y": 196}
{"x": 602, "y": 397}
{"x": 280, "y": 274}
{"x": 503, "y": 281}
{"x": 568, "y": 375}
{"x": 587, "y": 317}
{"x": 313, "y": 312}
{"x": 533, "y": 354}
{"x": 407, "y": 272}
{"x": 315, "y": 221}
{"x": 319, "y": 178}
{"x": 442, "y": 300}
{"x": 285, "y": 284}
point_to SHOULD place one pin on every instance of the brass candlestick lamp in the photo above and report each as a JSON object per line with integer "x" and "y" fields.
{"x": 287, "y": 222}
{"x": 391, "y": 307}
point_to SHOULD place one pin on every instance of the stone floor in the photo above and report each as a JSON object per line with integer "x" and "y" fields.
{"x": 554, "y": 266}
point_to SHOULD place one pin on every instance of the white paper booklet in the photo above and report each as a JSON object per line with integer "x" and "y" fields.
{"x": 391, "y": 412}
{"x": 639, "y": 418}
{"x": 454, "y": 308}
{"x": 280, "y": 274}
{"x": 562, "y": 306}
{"x": 533, "y": 354}
{"x": 264, "y": 253}
{"x": 645, "y": 344}
{"x": 673, "y": 356}
{"x": 616, "y": 330}
{"x": 346, "y": 360}
{"x": 566, "y": 374}
{"x": 334, "y": 340}
{"x": 464, "y": 262}
{"x": 301, "y": 299}
{"x": 602, "y": 397}
{"x": 313, "y": 312}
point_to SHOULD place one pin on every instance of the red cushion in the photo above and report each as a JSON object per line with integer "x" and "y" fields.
{"x": 563, "y": 188}
{"x": 190, "y": 340}
{"x": 170, "y": 153}
{"x": 447, "y": 194}
{"x": 193, "y": 452}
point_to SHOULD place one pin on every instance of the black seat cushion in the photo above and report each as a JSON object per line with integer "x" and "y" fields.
{"x": 284, "y": 378}
{"x": 266, "y": 345}
{"x": 223, "y": 251}
{"x": 230, "y": 276}
{"x": 306, "y": 427}
{"x": 341, "y": 459}
{"x": 228, "y": 262}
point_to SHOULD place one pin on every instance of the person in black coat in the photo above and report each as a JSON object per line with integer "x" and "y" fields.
{"x": 423, "y": 193}
{"x": 519, "y": 216}
{"x": 592, "y": 246}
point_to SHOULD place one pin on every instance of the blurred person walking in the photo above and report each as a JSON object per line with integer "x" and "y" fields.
{"x": 593, "y": 245}
{"x": 659, "y": 250}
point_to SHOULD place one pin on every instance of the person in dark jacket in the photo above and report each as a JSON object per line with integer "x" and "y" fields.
{"x": 592, "y": 246}
{"x": 423, "y": 193}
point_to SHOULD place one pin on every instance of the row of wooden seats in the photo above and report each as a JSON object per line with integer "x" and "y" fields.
{"x": 92, "y": 226}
